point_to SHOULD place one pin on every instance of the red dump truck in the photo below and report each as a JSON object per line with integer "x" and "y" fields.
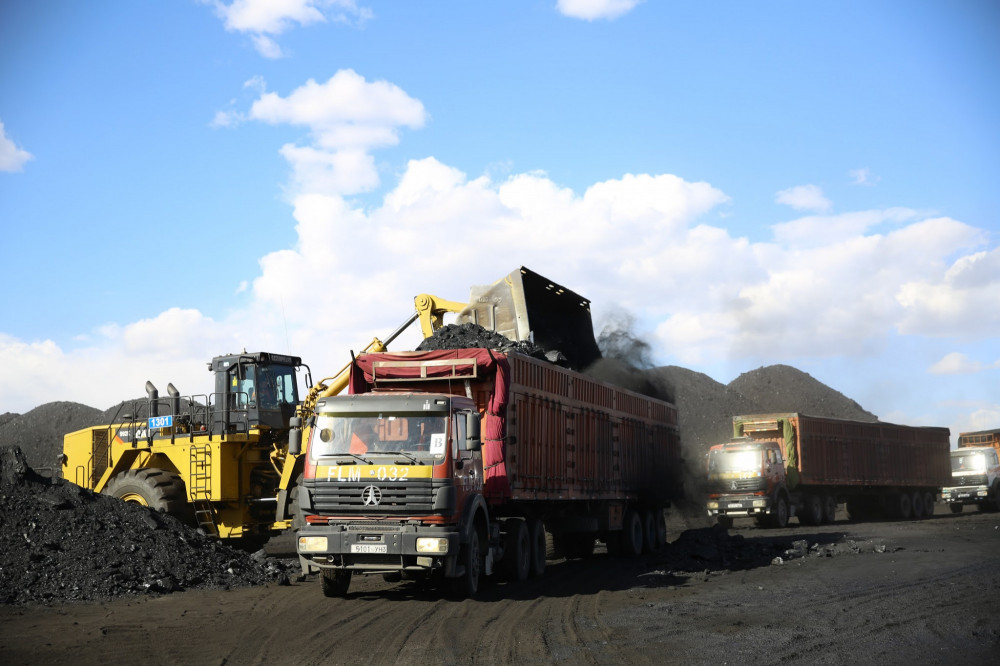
{"x": 975, "y": 472}
{"x": 783, "y": 465}
{"x": 454, "y": 464}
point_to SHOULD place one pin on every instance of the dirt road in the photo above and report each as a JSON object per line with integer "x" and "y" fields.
{"x": 887, "y": 592}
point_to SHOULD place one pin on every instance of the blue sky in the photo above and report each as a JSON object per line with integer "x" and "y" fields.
{"x": 755, "y": 183}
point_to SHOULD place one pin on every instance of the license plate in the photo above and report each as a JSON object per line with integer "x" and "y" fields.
{"x": 735, "y": 505}
{"x": 964, "y": 495}
{"x": 369, "y": 548}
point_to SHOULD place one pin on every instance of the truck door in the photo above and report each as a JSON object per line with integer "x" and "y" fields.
{"x": 468, "y": 464}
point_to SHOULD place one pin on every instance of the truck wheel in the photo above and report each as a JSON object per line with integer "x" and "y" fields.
{"x": 336, "y": 582}
{"x": 471, "y": 559}
{"x": 917, "y": 504}
{"x": 780, "y": 516}
{"x": 996, "y": 495}
{"x": 158, "y": 489}
{"x": 648, "y": 531}
{"x": 956, "y": 508}
{"x": 661, "y": 528}
{"x": 725, "y": 521}
{"x": 632, "y": 534}
{"x": 536, "y": 534}
{"x": 812, "y": 510}
{"x": 829, "y": 509}
{"x": 929, "y": 504}
{"x": 902, "y": 507}
{"x": 517, "y": 550}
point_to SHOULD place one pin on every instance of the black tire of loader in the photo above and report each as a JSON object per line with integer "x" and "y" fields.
{"x": 159, "y": 489}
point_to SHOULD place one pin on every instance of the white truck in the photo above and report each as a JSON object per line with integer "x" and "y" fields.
{"x": 975, "y": 472}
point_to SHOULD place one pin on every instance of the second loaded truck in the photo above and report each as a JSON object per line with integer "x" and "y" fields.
{"x": 783, "y": 465}
{"x": 455, "y": 464}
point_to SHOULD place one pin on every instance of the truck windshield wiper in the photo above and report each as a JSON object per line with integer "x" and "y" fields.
{"x": 411, "y": 457}
{"x": 355, "y": 455}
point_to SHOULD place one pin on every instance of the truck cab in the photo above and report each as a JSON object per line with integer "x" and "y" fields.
{"x": 975, "y": 474}
{"x": 746, "y": 478}
{"x": 388, "y": 485}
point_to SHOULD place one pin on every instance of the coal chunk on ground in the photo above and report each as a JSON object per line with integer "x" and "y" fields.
{"x": 60, "y": 542}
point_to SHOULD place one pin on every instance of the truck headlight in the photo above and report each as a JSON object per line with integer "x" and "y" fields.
{"x": 759, "y": 503}
{"x": 312, "y": 544}
{"x": 712, "y": 505}
{"x": 437, "y": 545}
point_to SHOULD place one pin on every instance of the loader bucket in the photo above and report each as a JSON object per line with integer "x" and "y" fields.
{"x": 526, "y": 306}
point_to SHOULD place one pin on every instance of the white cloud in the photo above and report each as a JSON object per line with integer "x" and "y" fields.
{"x": 863, "y": 176}
{"x": 955, "y": 363}
{"x": 804, "y": 197}
{"x": 263, "y": 19}
{"x": 347, "y": 117}
{"x": 963, "y": 299}
{"x": 12, "y": 158}
{"x": 591, "y": 10}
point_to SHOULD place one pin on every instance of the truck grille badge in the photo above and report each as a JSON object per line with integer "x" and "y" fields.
{"x": 371, "y": 496}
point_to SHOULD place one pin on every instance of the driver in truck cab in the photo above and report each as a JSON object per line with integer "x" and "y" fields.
{"x": 363, "y": 438}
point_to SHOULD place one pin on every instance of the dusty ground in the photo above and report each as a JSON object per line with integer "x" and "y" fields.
{"x": 883, "y": 592}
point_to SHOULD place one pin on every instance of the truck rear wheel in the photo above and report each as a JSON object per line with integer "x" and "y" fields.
{"x": 812, "y": 510}
{"x": 661, "y": 528}
{"x": 336, "y": 582}
{"x": 829, "y": 509}
{"x": 929, "y": 504}
{"x": 158, "y": 489}
{"x": 632, "y": 533}
{"x": 536, "y": 534}
{"x": 648, "y": 531}
{"x": 517, "y": 550}
{"x": 917, "y": 504}
{"x": 902, "y": 507}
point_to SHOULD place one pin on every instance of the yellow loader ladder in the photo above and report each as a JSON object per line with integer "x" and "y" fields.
{"x": 200, "y": 485}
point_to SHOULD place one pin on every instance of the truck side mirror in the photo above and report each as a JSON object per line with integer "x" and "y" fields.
{"x": 295, "y": 436}
{"x": 473, "y": 442}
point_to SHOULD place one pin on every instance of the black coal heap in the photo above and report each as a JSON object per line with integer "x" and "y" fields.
{"x": 60, "y": 542}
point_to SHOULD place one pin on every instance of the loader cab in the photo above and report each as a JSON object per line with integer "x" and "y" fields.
{"x": 258, "y": 389}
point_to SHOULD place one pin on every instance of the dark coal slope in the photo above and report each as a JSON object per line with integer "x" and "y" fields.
{"x": 776, "y": 388}
{"x": 59, "y": 542}
{"x": 39, "y": 433}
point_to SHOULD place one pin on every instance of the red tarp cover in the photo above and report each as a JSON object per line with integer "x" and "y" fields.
{"x": 497, "y": 487}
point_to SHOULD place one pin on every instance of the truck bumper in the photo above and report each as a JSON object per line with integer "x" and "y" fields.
{"x": 736, "y": 506}
{"x": 965, "y": 495}
{"x": 378, "y": 548}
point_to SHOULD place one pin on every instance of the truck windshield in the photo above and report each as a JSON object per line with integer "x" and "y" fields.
{"x": 416, "y": 436}
{"x": 968, "y": 462}
{"x": 743, "y": 460}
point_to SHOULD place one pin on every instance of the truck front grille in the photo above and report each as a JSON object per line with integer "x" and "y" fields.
{"x": 969, "y": 480}
{"x": 737, "y": 485}
{"x": 414, "y": 497}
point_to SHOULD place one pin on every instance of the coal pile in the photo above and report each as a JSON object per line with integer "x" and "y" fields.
{"x": 60, "y": 542}
{"x": 471, "y": 336}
